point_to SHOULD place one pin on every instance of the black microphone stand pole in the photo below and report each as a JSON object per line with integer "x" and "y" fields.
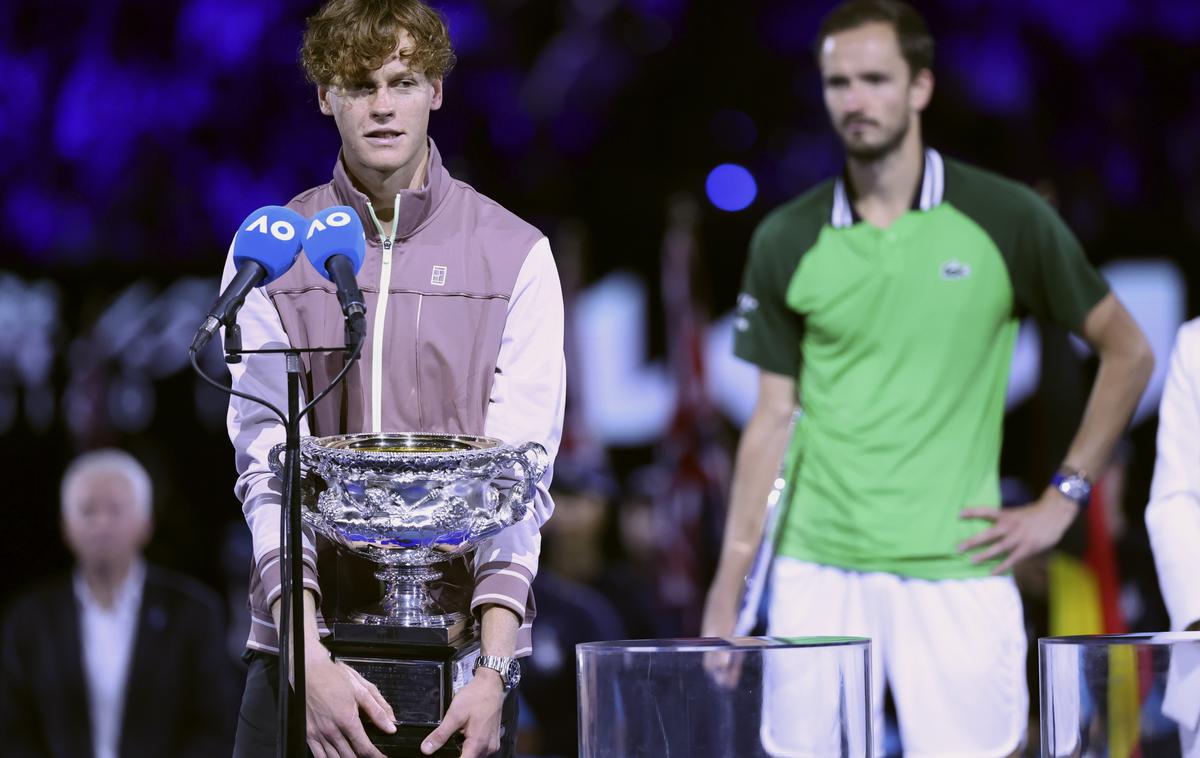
{"x": 292, "y": 717}
{"x": 292, "y": 729}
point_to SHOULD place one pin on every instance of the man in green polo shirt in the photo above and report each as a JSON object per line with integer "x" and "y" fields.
{"x": 885, "y": 303}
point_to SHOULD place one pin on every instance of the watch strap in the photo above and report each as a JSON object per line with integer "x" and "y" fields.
{"x": 499, "y": 664}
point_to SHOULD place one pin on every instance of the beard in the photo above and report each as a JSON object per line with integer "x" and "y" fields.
{"x": 875, "y": 153}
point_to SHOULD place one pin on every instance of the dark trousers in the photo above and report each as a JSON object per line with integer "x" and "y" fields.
{"x": 258, "y": 720}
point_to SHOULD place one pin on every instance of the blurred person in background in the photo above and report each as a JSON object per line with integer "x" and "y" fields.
{"x": 1173, "y": 515}
{"x": 886, "y": 302}
{"x": 571, "y": 609}
{"x": 119, "y": 658}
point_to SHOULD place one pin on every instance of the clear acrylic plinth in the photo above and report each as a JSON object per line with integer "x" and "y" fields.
{"x": 1121, "y": 695}
{"x": 716, "y": 698}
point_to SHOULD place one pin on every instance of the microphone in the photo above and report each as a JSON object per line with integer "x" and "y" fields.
{"x": 336, "y": 246}
{"x": 264, "y": 247}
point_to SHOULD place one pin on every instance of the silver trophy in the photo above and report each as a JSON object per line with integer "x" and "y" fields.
{"x": 410, "y": 503}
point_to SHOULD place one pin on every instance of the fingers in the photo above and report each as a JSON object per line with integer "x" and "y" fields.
{"x": 723, "y": 667}
{"x": 451, "y": 724}
{"x": 360, "y": 745}
{"x": 996, "y": 549}
{"x": 383, "y": 703}
{"x": 1019, "y": 553}
{"x": 475, "y": 747}
{"x": 371, "y": 702}
{"x": 991, "y": 534}
{"x": 988, "y": 514}
{"x": 1008, "y": 563}
{"x": 341, "y": 736}
{"x": 730, "y": 674}
{"x": 326, "y": 748}
{"x": 344, "y": 748}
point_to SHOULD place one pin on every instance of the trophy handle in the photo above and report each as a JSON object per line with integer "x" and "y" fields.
{"x": 531, "y": 461}
{"x": 310, "y": 516}
{"x": 275, "y": 459}
{"x": 317, "y": 521}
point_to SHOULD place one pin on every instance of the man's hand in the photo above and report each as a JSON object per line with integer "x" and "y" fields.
{"x": 1020, "y": 532}
{"x": 336, "y": 693}
{"x": 721, "y": 608}
{"x": 720, "y": 618}
{"x": 475, "y": 711}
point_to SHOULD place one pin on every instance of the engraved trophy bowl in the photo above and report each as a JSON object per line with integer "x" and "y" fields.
{"x": 411, "y": 501}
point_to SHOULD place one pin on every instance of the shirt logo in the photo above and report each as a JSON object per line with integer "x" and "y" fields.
{"x": 439, "y": 276}
{"x": 953, "y": 269}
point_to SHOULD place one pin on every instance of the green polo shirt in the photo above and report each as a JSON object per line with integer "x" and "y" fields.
{"x": 901, "y": 340}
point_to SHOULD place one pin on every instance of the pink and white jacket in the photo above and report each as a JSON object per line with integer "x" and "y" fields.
{"x": 464, "y": 335}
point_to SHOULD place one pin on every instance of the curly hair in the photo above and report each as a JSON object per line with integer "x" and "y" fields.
{"x": 346, "y": 39}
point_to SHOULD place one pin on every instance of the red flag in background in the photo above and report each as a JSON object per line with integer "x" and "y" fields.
{"x": 1085, "y": 590}
{"x": 1085, "y": 599}
{"x": 694, "y": 467}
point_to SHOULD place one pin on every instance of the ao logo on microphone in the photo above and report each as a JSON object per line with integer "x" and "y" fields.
{"x": 337, "y": 218}
{"x": 281, "y": 230}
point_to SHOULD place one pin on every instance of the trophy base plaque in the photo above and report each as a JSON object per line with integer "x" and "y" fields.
{"x": 418, "y": 670}
{"x": 412, "y": 506}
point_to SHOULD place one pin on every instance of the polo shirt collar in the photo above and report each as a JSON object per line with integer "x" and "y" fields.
{"x": 932, "y": 191}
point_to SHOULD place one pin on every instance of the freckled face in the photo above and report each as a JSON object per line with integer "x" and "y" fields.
{"x": 384, "y": 118}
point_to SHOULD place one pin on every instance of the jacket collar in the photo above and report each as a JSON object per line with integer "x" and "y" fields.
{"x": 416, "y": 206}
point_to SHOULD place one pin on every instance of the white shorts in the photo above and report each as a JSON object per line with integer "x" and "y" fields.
{"x": 952, "y": 652}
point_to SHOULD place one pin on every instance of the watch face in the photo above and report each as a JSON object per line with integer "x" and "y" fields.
{"x": 513, "y": 677}
{"x": 1074, "y": 488}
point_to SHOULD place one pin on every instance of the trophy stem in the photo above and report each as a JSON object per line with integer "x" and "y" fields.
{"x": 407, "y": 601}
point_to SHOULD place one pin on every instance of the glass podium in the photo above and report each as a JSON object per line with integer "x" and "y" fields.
{"x": 1120, "y": 695}
{"x": 715, "y": 698}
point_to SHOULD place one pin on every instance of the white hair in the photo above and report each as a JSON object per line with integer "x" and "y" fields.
{"x": 108, "y": 459}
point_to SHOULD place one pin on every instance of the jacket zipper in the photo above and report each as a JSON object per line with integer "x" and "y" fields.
{"x": 385, "y": 280}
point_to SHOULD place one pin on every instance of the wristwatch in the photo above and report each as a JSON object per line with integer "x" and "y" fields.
{"x": 508, "y": 669}
{"x": 1074, "y": 485}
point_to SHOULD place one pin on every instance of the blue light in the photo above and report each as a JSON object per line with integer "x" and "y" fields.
{"x": 730, "y": 187}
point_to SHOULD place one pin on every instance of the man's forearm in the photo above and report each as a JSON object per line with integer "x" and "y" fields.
{"x": 1122, "y": 377}
{"x": 312, "y": 637}
{"x": 498, "y": 631}
{"x": 757, "y": 465}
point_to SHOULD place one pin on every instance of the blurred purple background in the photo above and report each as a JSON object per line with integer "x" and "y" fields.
{"x": 135, "y": 135}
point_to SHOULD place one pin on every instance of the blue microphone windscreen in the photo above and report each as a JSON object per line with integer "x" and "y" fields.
{"x": 335, "y": 231}
{"x": 270, "y": 236}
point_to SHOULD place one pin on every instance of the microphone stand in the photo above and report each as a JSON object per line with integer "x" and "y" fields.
{"x": 292, "y": 717}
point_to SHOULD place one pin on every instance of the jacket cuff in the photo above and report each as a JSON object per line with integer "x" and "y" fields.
{"x": 504, "y": 584}
{"x": 270, "y": 570}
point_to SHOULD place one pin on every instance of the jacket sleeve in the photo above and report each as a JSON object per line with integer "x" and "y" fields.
{"x": 254, "y": 430}
{"x": 526, "y": 404}
{"x": 1173, "y": 515}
